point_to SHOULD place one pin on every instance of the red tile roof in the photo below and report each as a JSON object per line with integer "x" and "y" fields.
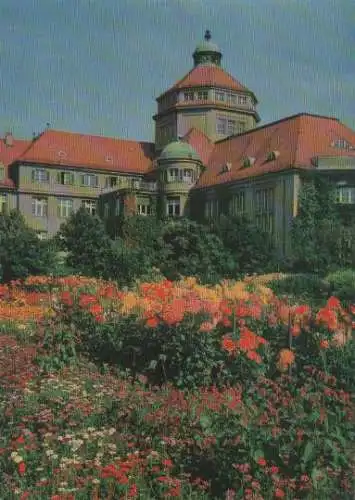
{"x": 208, "y": 75}
{"x": 200, "y": 142}
{"x": 55, "y": 147}
{"x": 8, "y": 155}
{"x": 297, "y": 138}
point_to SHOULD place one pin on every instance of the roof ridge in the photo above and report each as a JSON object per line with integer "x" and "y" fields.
{"x": 96, "y": 136}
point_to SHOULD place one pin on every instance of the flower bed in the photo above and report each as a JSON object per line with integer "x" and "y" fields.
{"x": 173, "y": 390}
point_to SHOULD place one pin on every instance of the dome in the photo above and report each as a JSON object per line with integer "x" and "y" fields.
{"x": 179, "y": 150}
{"x": 207, "y": 46}
{"x": 207, "y": 52}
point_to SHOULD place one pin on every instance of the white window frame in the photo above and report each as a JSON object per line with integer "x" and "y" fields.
{"x": 173, "y": 205}
{"x": 42, "y": 235}
{"x": 90, "y": 180}
{"x": 345, "y": 195}
{"x": 174, "y": 174}
{"x": 66, "y": 178}
{"x": 90, "y": 206}
{"x": 3, "y": 202}
{"x": 189, "y": 96}
{"x": 202, "y": 95}
{"x": 243, "y": 99}
{"x": 231, "y": 127}
{"x": 65, "y": 207}
{"x": 39, "y": 206}
{"x": 221, "y": 121}
{"x": 220, "y": 95}
{"x": 40, "y": 175}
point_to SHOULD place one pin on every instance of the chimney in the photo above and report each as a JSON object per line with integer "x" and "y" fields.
{"x": 8, "y": 139}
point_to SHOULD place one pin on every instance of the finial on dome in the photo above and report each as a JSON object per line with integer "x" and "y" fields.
{"x": 207, "y": 35}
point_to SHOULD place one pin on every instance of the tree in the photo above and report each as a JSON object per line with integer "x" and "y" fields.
{"x": 320, "y": 239}
{"x": 89, "y": 247}
{"x": 21, "y": 252}
{"x": 251, "y": 248}
{"x": 190, "y": 249}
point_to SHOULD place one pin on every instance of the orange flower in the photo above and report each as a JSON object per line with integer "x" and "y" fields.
{"x": 152, "y": 322}
{"x": 254, "y": 356}
{"x": 333, "y": 303}
{"x": 228, "y": 344}
{"x": 286, "y": 358}
{"x": 324, "y": 344}
{"x": 206, "y": 326}
{"x": 295, "y": 330}
{"x": 96, "y": 309}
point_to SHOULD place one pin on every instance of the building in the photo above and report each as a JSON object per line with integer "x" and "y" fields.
{"x": 209, "y": 156}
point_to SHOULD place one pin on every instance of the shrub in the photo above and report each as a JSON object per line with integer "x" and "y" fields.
{"x": 342, "y": 284}
{"x": 21, "y": 252}
{"x": 89, "y": 249}
{"x": 251, "y": 248}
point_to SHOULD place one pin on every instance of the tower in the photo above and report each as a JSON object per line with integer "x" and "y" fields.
{"x": 207, "y": 98}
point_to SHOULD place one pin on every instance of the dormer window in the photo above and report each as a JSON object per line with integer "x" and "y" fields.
{"x": 273, "y": 155}
{"x": 342, "y": 144}
{"x": 248, "y": 161}
{"x": 227, "y": 167}
{"x": 243, "y": 99}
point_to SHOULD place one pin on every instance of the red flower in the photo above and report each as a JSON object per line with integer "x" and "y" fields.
{"x": 20, "y": 439}
{"x": 152, "y": 322}
{"x": 324, "y": 344}
{"x": 21, "y": 468}
{"x": 279, "y": 493}
{"x": 167, "y": 463}
{"x": 274, "y": 469}
{"x": 262, "y": 461}
{"x": 133, "y": 491}
{"x": 333, "y": 303}
{"x": 96, "y": 309}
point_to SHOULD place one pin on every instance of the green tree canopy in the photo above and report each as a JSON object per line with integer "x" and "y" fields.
{"x": 21, "y": 252}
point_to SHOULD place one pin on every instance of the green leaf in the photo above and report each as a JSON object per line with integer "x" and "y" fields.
{"x": 258, "y": 454}
{"x": 308, "y": 452}
{"x": 205, "y": 421}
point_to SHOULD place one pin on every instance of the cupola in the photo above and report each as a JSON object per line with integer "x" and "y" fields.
{"x": 207, "y": 52}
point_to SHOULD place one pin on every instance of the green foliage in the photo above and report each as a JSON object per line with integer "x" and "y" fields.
{"x": 89, "y": 249}
{"x": 321, "y": 241}
{"x": 186, "y": 248}
{"x": 252, "y": 249}
{"x": 21, "y": 252}
{"x": 307, "y": 287}
{"x": 342, "y": 284}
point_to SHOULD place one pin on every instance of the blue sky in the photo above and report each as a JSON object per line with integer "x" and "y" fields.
{"x": 96, "y": 66}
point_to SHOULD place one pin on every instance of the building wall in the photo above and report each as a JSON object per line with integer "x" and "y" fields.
{"x": 11, "y": 199}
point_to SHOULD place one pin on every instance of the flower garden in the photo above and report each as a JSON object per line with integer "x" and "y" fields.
{"x": 173, "y": 390}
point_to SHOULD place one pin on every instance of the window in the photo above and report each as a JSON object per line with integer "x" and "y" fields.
{"x": 345, "y": 194}
{"x": 89, "y": 180}
{"x": 202, "y": 95}
{"x": 264, "y": 209}
{"x": 39, "y": 207}
{"x": 242, "y": 99}
{"x": 40, "y": 175}
{"x": 144, "y": 209}
{"x": 187, "y": 175}
{"x": 106, "y": 209}
{"x": 220, "y": 96}
{"x": 237, "y": 204}
{"x": 111, "y": 181}
{"x": 232, "y": 98}
{"x": 173, "y": 206}
{"x": 65, "y": 178}
{"x": 89, "y": 205}
{"x": 65, "y": 207}
{"x": 174, "y": 174}
{"x": 221, "y": 125}
{"x": 118, "y": 206}
{"x": 3, "y": 203}
{"x": 211, "y": 208}
{"x": 342, "y": 144}
{"x": 231, "y": 127}
{"x": 188, "y": 96}
{"x": 241, "y": 126}
{"x": 42, "y": 235}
